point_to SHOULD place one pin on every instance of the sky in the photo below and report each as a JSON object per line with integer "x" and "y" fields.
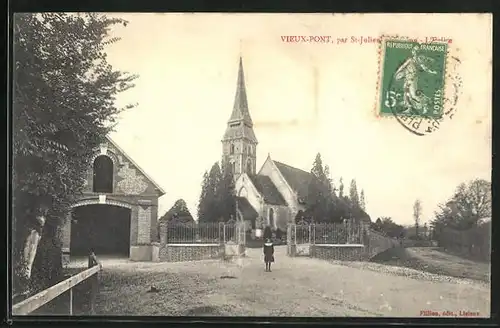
{"x": 304, "y": 98}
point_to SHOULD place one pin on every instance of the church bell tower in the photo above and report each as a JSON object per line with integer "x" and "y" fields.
{"x": 239, "y": 143}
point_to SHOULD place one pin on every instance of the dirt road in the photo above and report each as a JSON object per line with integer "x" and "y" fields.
{"x": 295, "y": 287}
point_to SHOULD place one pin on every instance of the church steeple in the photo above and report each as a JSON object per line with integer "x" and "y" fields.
{"x": 239, "y": 142}
{"x": 240, "y": 107}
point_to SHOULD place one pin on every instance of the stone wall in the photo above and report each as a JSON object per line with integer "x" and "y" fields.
{"x": 377, "y": 243}
{"x": 339, "y": 252}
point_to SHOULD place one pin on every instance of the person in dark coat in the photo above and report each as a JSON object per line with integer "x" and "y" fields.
{"x": 268, "y": 254}
{"x": 92, "y": 259}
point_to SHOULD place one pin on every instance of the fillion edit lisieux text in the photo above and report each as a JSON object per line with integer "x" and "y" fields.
{"x": 461, "y": 313}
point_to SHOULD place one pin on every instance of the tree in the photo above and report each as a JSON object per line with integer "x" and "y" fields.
{"x": 341, "y": 188}
{"x": 377, "y": 225}
{"x": 64, "y": 92}
{"x": 178, "y": 213}
{"x": 417, "y": 213}
{"x": 218, "y": 196}
{"x": 209, "y": 208}
{"x": 329, "y": 181}
{"x": 388, "y": 227}
{"x": 203, "y": 204}
{"x": 353, "y": 193}
{"x": 226, "y": 194}
{"x": 320, "y": 198}
{"x": 362, "y": 200}
{"x": 470, "y": 203}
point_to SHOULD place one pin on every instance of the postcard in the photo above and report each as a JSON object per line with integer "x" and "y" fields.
{"x": 262, "y": 165}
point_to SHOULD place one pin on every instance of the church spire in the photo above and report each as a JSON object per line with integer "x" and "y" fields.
{"x": 239, "y": 144}
{"x": 240, "y": 107}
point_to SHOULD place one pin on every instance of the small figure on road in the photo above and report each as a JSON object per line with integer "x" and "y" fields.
{"x": 268, "y": 254}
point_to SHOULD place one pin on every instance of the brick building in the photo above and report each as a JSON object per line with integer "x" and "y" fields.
{"x": 118, "y": 211}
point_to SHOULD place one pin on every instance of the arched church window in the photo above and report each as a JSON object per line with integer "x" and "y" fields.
{"x": 103, "y": 174}
{"x": 233, "y": 167}
{"x": 231, "y": 149}
{"x": 271, "y": 217}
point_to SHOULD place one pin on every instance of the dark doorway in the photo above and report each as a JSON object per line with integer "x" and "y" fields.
{"x": 105, "y": 228}
{"x": 103, "y": 174}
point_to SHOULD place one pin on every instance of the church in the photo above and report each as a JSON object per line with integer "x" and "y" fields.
{"x": 275, "y": 193}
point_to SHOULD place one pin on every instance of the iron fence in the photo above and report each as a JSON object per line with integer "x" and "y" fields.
{"x": 337, "y": 233}
{"x": 194, "y": 233}
{"x": 325, "y": 233}
{"x": 205, "y": 233}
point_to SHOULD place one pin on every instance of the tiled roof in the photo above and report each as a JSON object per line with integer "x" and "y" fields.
{"x": 297, "y": 179}
{"x": 246, "y": 209}
{"x": 267, "y": 189}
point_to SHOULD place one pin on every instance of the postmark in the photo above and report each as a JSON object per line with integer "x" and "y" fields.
{"x": 418, "y": 83}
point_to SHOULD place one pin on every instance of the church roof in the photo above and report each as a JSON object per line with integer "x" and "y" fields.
{"x": 240, "y": 123}
{"x": 296, "y": 178}
{"x": 267, "y": 189}
{"x": 246, "y": 209}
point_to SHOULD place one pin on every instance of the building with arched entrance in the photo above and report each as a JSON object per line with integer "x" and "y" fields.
{"x": 117, "y": 213}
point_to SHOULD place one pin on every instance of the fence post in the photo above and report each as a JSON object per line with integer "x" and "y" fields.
{"x": 309, "y": 234}
{"x": 349, "y": 226}
{"x": 240, "y": 238}
{"x": 222, "y": 239}
{"x": 71, "y": 301}
{"x": 94, "y": 283}
{"x": 312, "y": 240}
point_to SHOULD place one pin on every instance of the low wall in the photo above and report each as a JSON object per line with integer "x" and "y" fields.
{"x": 189, "y": 252}
{"x": 339, "y": 252}
{"x": 377, "y": 243}
{"x": 302, "y": 250}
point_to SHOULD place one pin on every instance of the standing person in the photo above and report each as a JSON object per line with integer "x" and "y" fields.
{"x": 268, "y": 254}
{"x": 92, "y": 259}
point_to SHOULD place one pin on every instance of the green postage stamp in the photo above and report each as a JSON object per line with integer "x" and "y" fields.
{"x": 412, "y": 79}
